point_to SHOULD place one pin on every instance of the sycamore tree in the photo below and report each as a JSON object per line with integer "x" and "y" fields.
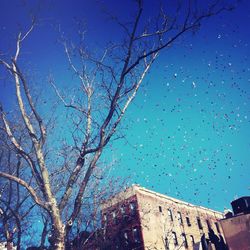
{"x": 16, "y": 206}
{"x": 108, "y": 83}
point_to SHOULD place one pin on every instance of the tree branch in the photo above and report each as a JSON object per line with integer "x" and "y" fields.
{"x": 29, "y": 188}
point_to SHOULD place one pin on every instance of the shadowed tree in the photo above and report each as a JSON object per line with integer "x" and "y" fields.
{"x": 108, "y": 83}
{"x": 15, "y": 205}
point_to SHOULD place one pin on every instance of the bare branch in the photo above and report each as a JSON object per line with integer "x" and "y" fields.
{"x": 38, "y": 118}
{"x": 20, "y": 39}
{"x": 73, "y": 67}
{"x": 130, "y": 99}
{"x": 67, "y": 105}
{"x": 29, "y": 188}
{"x": 20, "y": 150}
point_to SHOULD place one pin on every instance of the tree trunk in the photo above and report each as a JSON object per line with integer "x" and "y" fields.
{"x": 9, "y": 245}
{"x": 57, "y": 238}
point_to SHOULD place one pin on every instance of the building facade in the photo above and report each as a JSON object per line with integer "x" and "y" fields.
{"x": 139, "y": 218}
{"x": 236, "y": 225}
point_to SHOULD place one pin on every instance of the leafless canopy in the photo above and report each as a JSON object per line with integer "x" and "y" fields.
{"x": 108, "y": 83}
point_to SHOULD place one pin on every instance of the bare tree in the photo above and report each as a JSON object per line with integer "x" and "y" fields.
{"x": 108, "y": 83}
{"x": 15, "y": 206}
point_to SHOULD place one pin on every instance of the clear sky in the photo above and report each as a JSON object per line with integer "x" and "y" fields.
{"x": 188, "y": 130}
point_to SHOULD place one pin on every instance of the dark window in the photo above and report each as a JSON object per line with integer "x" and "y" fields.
{"x": 122, "y": 209}
{"x": 199, "y": 223}
{"x": 136, "y": 235}
{"x": 188, "y": 221}
{"x": 170, "y": 215}
{"x": 192, "y": 239}
{"x": 160, "y": 209}
{"x": 132, "y": 206}
{"x": 105, "y": 220}
{"x": 208, "y": 225}
{"x": 175, "y": 238}
{"x": 179, "y": 217}
{"x": 184, "y": 239}
{"x": 217, "y": 227}
{"x": 166, "y": 243}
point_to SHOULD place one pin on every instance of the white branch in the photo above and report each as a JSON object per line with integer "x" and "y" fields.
{"x": 19, "y": 148}
{"x": 25, "y": 184}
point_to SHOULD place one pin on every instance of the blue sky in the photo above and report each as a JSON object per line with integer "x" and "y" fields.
{"x": 188, "y": 130}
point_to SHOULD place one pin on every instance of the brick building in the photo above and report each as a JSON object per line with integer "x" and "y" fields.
{"x": 139, "y": 218}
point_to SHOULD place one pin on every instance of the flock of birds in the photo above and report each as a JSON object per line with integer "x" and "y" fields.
{"x": 188, "y": 131}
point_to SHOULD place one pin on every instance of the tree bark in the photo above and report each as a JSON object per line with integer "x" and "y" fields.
{"x": 57, "y": 238}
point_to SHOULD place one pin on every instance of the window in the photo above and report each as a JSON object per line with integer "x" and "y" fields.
{"x": 166, "y": 243}
{"x": 104, "y": 217}
{"x": 125, "y": 235}
{"x": 247, "y": 204}
{"x": 208, "y": 225}
{"x": 199, "y": 223}
{"x": 184, "y": 239}
{"x": 192, "y": 239}
{"x": 105, "y": 220}
{"x": 160, "y": 209}
{"x": 217, "y": 227}
{"x": 179, "y": 218}
{"x": 170, "y": 215}
{"x": 136, "y": 235}
{"x": 188, "y": 221}
{"x": 104, "y": 232}
{"x": 132, "y": 206}
{"x": 122, "y": 209}
{"x": 126, "y": 239}
{"x": 175, "y": 238}
{"x": 114, "y": 217}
